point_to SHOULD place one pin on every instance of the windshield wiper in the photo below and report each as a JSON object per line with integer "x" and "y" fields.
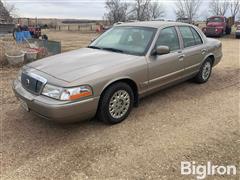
{"x": 107, "y": 49}
{"x": 94, "y": 47}
{"x": 113, "y": 49}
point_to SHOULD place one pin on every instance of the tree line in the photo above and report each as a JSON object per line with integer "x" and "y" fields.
{"x": 144, "y": 10}
{"x": 119, "y": 11}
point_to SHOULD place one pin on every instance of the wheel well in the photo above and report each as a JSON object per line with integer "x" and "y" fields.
{"x": 212, "y": 58}
{"x": 132, "y": 84}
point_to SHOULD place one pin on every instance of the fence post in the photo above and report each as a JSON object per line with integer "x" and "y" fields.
{"x": 78, "y": 27}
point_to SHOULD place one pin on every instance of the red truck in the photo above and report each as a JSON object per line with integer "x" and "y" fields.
{"x": 218, "y": 26}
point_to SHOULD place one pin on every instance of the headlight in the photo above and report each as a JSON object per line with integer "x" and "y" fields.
{"x": 76, "y": 93}
{"x": 67, "y": 94}
{"x": 52, "y": 91}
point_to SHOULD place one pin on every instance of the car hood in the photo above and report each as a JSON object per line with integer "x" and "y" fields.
{"x": 77, "y": 64}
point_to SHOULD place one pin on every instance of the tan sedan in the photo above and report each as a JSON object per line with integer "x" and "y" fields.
{"x": 124, "y": 64}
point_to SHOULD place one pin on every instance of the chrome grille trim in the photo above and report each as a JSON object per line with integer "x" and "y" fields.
{"x": 33, "y": 82}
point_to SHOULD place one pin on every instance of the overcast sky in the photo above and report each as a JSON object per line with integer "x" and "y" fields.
{"x": 80, "y": 9}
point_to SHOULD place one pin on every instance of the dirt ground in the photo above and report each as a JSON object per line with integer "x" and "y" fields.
{"x": 188, "y": 122}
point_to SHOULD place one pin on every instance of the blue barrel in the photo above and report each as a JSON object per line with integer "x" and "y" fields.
{"x": 27, "y": 35}
{"x": 21, "y": 36}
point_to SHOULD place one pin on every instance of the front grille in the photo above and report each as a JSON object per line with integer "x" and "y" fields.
{"x": 31, "y": 84}
{"x": 211, "y": 30}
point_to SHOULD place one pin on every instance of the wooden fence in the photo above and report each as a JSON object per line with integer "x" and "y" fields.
{"x": 81, "y": 27}
{"x": 6, "y": 28}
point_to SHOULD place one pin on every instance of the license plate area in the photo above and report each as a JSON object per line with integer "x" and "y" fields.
{"x": 24, "y": 105}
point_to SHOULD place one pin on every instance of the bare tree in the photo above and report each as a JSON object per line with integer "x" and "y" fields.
{"x": 117, "y": 11}
{"x": 219, "y": 7}
{"x": 10, "y": 7}
{"x": 5, "y": 13}
{"x": 140, "y": 10}
{"x": 187, "y": 9}
{"x": 156, "y": 10}
{"x": 180, "y": 13}
{"x": 143, "y": 10}
{"x": 234, "y": 7}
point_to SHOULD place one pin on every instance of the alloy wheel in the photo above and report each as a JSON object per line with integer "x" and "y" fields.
{"x": 119, "y": 104}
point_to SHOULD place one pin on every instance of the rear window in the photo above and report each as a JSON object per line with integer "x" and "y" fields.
{"x": 197, "y": 37}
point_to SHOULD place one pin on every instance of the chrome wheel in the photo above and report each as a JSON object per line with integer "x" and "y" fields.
{"x": 206, "y": 70}
{"x": 119, "y": 104}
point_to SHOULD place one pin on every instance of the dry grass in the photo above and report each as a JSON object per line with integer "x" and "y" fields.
{"x": 71, "y": 40}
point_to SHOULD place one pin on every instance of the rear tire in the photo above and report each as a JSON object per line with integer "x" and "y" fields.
{"x": 116, "y": 103}
{"x": 205, "y": 72}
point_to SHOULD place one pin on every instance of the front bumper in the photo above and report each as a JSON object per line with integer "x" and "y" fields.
{"x": 64, "y": 112}
{"x": 213, "y": 32}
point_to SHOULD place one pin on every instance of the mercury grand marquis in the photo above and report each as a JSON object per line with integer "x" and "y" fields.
{"x": 124, "y": 64}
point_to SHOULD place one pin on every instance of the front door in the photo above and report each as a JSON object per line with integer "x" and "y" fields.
{"x": 164, "y": 69}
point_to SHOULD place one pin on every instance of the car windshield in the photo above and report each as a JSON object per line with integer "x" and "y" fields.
{"x": 215, "y": 19}
{"x": 129, "y": 40}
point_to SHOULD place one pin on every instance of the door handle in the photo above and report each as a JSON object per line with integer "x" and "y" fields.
{"x": 181, "y": 57}
{"x": 203, "y": 51}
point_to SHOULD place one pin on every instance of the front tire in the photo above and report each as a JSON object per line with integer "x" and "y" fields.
{"x": 116, "y": 103}
{"x": 205, "y": 72}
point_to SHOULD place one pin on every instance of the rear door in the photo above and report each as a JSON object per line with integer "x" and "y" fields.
{"x": 193, "y": 49}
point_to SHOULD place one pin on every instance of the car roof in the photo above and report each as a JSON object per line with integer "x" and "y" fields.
{"x": 153, "y": 24}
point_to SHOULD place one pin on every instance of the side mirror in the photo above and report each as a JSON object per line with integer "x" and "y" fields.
{"x": 161, "y": 50}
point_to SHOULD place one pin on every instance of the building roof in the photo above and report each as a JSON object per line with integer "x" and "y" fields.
{"x": 154, "y": 24}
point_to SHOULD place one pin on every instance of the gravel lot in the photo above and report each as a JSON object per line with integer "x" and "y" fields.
{"x": 188, "y": 122}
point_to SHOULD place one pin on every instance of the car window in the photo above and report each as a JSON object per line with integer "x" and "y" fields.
{"x": 187, "y": 35}
{"x": 215, "y": 19}
{"x": 198, "y": 39}
{"x": 130, "y": 40}
{"x": 113, "y": 37}
{"x": 168, "y": 37}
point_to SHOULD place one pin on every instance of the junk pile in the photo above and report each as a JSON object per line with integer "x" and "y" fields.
{"x": 25, "y": 49}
